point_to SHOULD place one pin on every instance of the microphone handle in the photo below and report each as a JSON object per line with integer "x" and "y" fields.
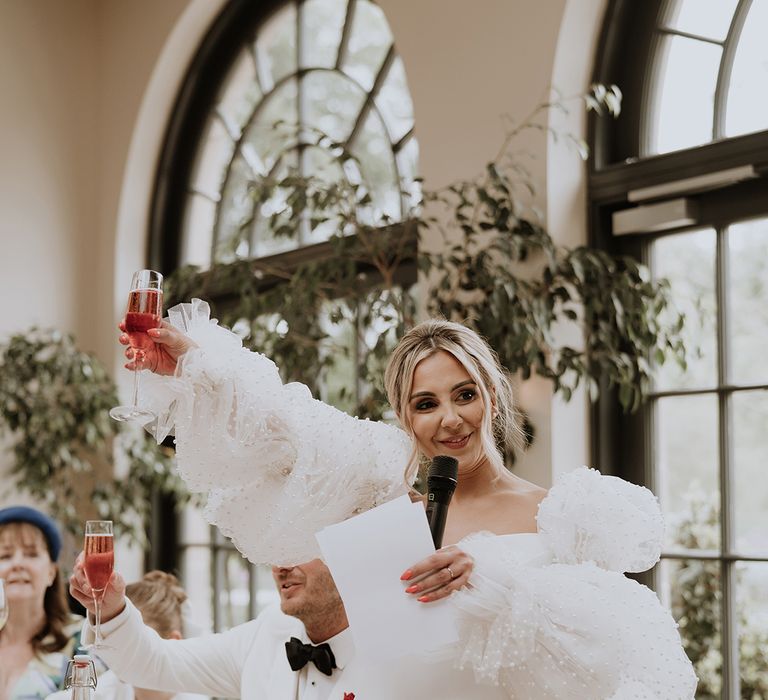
{"x": 436, "y": 516}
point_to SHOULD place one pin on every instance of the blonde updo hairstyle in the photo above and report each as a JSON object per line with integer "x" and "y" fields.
{"x": 159, "y": 596}
{"x": 499, "y": 426}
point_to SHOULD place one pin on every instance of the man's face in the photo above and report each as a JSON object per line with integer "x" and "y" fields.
{"x": 307, "y": 591}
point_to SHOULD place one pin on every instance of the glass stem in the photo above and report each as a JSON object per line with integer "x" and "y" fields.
{"x": 135, "y": 401}
{"x": 97, "y": 602}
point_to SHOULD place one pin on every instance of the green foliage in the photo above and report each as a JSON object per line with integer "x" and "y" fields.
{"x": 696, "y": 603}
{"x": 54, "y": 403}
{"x": 498, "y": 270}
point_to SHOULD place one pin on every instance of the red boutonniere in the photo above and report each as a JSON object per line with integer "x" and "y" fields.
{"x": 349, "y": 696}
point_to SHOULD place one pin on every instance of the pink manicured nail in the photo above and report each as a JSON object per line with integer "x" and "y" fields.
{"x": 406, "y": 575}
{"x": 423, "y": 599}
{"x": 412, "y": 589}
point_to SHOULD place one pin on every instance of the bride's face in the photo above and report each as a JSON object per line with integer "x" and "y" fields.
{"x": 446, "y": 409}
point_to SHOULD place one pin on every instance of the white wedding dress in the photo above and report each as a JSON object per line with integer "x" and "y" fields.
{"x": 549, "y": 615}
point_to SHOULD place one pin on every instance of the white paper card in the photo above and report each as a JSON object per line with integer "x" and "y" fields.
{"x": 366, "y": 555}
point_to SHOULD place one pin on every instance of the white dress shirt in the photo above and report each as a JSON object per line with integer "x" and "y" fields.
{"x": 314, "y": 684}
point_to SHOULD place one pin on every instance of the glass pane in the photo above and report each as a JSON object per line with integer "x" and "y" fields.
{"x": 684, "y": 102}
{"x": 691, "y": 589}
{"x": 212, "y": 159}
{"x": 323, "y": 166}
{"x": 273, "y": 131}
{"x": 234, "y": 589}
{"x": 264, "y": 241}
{"x": 748, "y": 302}
{"x": 408, "y": 166}
{"x": 197, "y": 231}
{"x": 337, "y": 384}
{"x": 321, "y": 32}
{"x": 752, "y": 609}
{"x": 750, "y": 456}
{"x": 394, "y": 102}
{"x": 708, "y": 18}
{"x": 687, "y": 260}
{"x": 369, "y": 42}
{"x": 235, "y": 211}
{"x": 374, "y": 154}
{"x": 331, "y": 104}
{"x": 276, "y": 47}
{"x": 687, "y": 470}
{"x": 240, "y": 93}
{"x": 196, "y": 578}
{"x": 747, "y": 107}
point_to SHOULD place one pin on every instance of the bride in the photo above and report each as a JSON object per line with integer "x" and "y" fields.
{"x": 538, "y": 577}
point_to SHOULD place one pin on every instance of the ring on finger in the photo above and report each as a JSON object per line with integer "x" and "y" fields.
{"x": 450, "y": 573}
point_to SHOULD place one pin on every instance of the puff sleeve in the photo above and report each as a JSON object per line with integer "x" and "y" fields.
{"x": 276, "y": 464}
{"x": 603, "y": 519}
{"x": 550, "y": 615}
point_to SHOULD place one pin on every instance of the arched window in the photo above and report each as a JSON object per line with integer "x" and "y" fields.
{"x": 255, "y": 104}
{"x": 275, "y": 88}
{"x": 680, "y": 182}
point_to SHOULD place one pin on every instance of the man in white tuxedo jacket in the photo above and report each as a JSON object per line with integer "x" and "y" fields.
{"x": 250, "y": 661}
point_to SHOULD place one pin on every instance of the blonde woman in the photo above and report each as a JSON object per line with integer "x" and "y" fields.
{"x": 538, "y": 577}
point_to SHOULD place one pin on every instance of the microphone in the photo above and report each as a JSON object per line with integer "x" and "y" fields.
{"x": 442, "y": 476}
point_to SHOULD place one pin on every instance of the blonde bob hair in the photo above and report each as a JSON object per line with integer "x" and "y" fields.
{"x": 160, "y": 598}
{"x": 499, "y": 427}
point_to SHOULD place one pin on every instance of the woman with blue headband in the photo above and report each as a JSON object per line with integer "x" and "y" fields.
{"x": 40, "y": 635}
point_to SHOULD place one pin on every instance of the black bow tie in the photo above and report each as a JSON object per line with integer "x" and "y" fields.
{"x": 300, "y": 654}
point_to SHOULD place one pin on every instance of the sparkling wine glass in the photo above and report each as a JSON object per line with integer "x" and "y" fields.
{"x": 145, "y": 311}
{"x": 99, "y": 551}
{"x": 3, "y": 605}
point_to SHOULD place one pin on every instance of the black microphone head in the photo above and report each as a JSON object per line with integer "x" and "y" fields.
{"x": 444, "y": 466}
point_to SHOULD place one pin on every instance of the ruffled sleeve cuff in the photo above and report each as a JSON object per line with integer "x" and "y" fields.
{"x": 588, "y": 517}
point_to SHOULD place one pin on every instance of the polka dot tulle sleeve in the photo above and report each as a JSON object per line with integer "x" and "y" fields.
{"x": 276, "y": 464}
{"x": 549, "y": 615}
{"x": 603, "y": 519}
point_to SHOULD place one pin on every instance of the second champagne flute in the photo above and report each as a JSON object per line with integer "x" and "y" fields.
{"x": 99, "y": 561}
{"x": 145, "y": 311}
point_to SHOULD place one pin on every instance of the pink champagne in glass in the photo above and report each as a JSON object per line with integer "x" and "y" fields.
{"x": 98, "y": 562}
{"x": 144, "y": 311}
{"x": 145, "y": 308}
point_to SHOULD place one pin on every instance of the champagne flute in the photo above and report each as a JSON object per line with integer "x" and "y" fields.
{"x": 99, "y": 552}
{"x": 4, "y": 611}
{"x": 145, "y": 310}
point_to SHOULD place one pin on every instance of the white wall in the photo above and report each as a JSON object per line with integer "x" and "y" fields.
{"x": 86, "y": 86}
{"x": 72, "y": 75}
{"x": 47, "y": 87}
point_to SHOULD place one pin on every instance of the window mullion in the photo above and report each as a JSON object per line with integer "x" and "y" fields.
{"x": 371, "y": 98}
{"x": 349, "y": 20}
{"x": 730, "y": 45}
{"x": 729, "y": 619}
{"x": 301, "y": 114}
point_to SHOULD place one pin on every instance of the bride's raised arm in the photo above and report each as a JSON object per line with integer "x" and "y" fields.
{"x": 267, "y": 454}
